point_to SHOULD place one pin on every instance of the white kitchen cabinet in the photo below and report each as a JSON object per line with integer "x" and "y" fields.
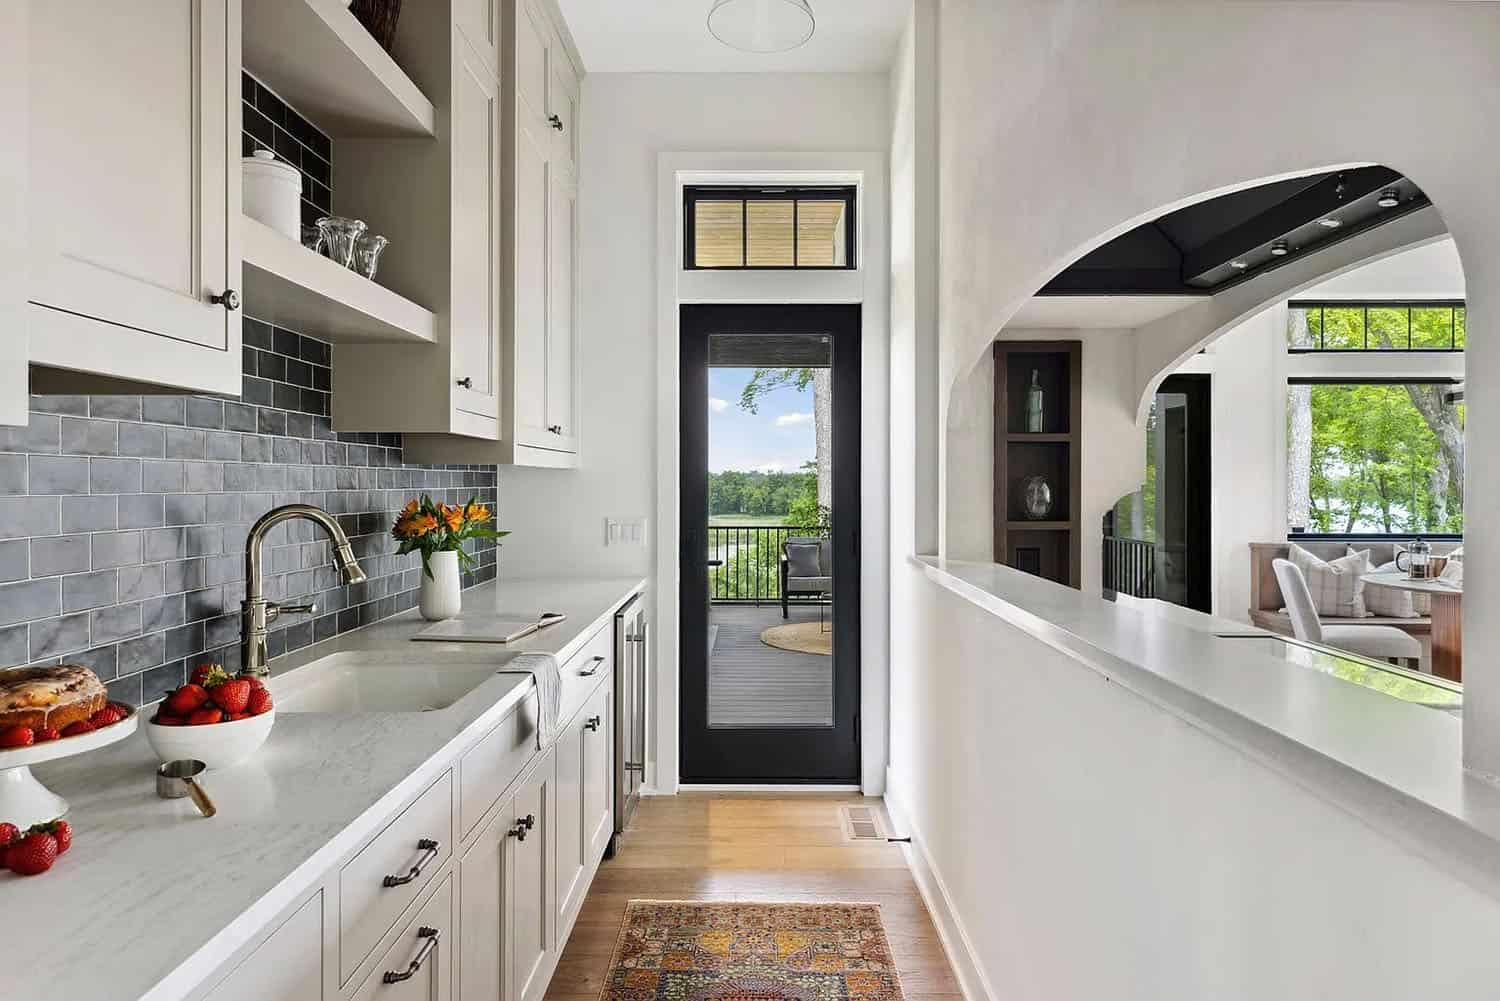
{"x": 14, "y": 399}
{"x": 531, "y": 926}
{"x": 131, "y": 221}
{"x": 482, "y": 910}
{"x": 480, "y": 22}
{"x": 444, "y": 252}
{"x": 583, "y": 801}
{"x": 538, "y": 369}
{"x": 419, "y": 966}
{"x": 287, "y": 966}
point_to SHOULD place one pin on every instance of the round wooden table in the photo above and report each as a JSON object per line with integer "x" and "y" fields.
{"x": 1447, "y": 618}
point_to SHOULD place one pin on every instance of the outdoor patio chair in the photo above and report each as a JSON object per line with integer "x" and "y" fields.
{"x": 806, "y": 568}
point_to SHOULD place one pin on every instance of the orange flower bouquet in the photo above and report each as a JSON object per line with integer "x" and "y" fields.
{"x": 427, "y": 527}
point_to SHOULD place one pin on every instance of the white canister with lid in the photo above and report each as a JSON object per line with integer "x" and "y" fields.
{"x": 272, "y": 193}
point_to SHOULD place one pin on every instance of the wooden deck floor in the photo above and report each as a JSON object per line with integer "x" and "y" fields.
{"x": 751, "y": 684}
{"x": 739, "y": 847}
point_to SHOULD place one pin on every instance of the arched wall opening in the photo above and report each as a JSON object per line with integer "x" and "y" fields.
{"x": 1130, "y": 344}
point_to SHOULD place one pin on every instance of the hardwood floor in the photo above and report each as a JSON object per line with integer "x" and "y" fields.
{"x": 752, "y": 847}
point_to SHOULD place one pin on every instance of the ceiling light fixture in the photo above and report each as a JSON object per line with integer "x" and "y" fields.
{"x": 1329, "y": 223}
{"x": 1280, "y": 249}
{"x": 1389, "y": 198}
{"x": 1238, "y": 265}
{"x": 762, "y": 25}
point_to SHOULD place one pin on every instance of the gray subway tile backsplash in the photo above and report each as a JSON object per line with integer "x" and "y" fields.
{"x": 123, "y": 522}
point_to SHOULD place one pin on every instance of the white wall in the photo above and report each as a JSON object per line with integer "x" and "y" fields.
{"x": 1092, "y": 845}
{"x": 628, "y": 121}
{"x": 1046, "y": 805}
{"x": 1114, "y": 446}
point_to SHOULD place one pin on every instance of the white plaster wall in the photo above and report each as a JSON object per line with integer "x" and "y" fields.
{"x": 1093, "y": 845}
{"x": 1064, "y": 124}
{"x": 1114, "y": 446}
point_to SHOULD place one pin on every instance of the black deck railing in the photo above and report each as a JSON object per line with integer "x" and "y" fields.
{"x": 1130, "y": 566}
{"x": 749, "y": 561}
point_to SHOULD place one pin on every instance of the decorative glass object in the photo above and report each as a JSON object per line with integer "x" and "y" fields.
{"x": 1418, "y": 560}
{"x": 340, "y": 235}
{"x": 312, "y": 239}
{"x": 1034, "y": 405}
{"x": 367, "y": 253}
{"x": 1035, "y": 496}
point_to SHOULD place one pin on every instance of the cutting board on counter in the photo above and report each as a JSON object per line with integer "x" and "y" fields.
{"x": 486, "y": 628}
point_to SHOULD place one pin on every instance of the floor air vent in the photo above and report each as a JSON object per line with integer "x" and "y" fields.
{"x": 861, "y": 823}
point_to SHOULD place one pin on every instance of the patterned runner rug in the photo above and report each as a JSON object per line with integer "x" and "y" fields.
{"x": 699, "y": 951}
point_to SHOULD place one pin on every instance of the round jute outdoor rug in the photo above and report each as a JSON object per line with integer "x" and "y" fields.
{"x": 801, "y": 637}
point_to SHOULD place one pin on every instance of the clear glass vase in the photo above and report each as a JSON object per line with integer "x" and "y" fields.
{"x": 367, "y": 253}
{"x": 340, "y": 237}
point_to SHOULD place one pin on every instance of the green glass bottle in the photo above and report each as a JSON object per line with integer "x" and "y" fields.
{"x": 1034, "y": 405}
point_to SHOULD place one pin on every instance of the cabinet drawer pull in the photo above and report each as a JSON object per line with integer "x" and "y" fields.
{"x": 229, "y": 299}
{"x": 598, "y": 662}
{"x": 466, "y": 382}
{"x": 555, "y": 428}
{"x": 429, "y": 938}
{"x": 555, "y": 122}
{"x": 523, "y": 825}
{"x": 592, "y": 723}
{"x": 430, "y": 849}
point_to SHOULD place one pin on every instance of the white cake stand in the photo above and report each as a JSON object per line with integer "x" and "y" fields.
{"x": 24, "y": 800}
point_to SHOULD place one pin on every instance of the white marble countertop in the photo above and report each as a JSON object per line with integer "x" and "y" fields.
{"x": 1397, "y": 765}
{"x": 152, "y": 897}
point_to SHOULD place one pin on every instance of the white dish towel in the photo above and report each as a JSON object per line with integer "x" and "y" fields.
{"x": 544, "y": 668}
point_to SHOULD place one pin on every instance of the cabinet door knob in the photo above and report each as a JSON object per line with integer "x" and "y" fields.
{"x": 555, "y": 428}
{"x": 523, "y": 825}
{"x": 592, "y": 723}
{"x": 229, "y": 299}
{"x": 556, "y": 122}
{"x": 466, "y": 382}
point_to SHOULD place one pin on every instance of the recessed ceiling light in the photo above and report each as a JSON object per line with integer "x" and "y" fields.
{"x": 762, "y": 25}
{"x": 1389, "y": 198}
{"x": 1280, "y": 249}
{"x": 1238, "y": 265}
{"x": 1329, "y": 223}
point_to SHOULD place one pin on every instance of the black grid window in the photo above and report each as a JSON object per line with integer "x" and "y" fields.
{"x": 1376, "y": 325}
{"x": 803, "y": 228}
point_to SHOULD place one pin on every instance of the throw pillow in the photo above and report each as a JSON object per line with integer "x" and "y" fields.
{"x": 802, "y": 559}
{"x": 1391, "y": 602}
{"x": 1337, "y": 587}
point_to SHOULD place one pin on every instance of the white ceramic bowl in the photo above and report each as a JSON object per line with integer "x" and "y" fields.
{"x": 217, "y": 745}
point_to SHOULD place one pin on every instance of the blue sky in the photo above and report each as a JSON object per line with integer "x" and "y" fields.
{"x": 777, "y": 439}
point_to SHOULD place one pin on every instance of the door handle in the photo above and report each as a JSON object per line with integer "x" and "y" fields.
{"x": 555, "y": 122}
{"x": 467, "y": 382}
{"x": 592, "y": 723}
{"x": 429, "y": 852}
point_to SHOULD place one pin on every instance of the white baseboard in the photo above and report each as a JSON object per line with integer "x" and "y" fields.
{"x": 956, "y": 942}
{"x": 788, "y": 790}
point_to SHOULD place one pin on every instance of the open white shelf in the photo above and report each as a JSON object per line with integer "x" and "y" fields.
{"x": 321, "y": 61}
{"x": 290, "y": 286}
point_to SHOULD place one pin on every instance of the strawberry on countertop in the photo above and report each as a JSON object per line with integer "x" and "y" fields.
{"x": 60, "y": 830}
{"x": 32, "y": 855}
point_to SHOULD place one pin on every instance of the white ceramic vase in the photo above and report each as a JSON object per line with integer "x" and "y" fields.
{"x": 440, "y": 597}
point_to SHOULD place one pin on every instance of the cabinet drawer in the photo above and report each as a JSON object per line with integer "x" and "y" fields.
{"x": 419, "y": 966}
{"x": 584, "y": 670}
{"x": 493, "y": 763}
{"x": 407, "y": 854}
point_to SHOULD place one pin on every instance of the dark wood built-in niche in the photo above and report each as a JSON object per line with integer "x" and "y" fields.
{"x": 1047, "y": 548}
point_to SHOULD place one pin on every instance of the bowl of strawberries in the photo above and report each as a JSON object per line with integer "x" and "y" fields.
{"x": 217, "y": 718}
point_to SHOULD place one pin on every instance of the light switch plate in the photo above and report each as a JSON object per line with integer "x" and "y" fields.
{"x": 624, "y": 531}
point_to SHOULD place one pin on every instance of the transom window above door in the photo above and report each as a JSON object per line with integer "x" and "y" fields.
{"x": 805, "y": 228}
